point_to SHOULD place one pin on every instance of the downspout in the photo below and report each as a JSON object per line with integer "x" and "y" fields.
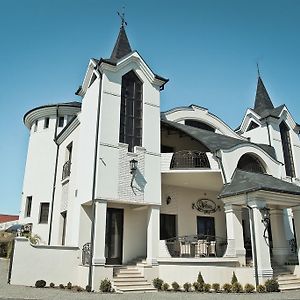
{"x": 220, "y": 162}
{"x": 55, "y": 174}
{"x": 90, "y": 276}
{"x": 254, "y": 250}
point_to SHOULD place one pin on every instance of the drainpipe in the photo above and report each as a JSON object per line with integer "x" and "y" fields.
{"x": 90, "y": 276}
{"x": 220, "y": 162}
{"x": 254, "y": 250}
{"x": 54, "y": 177}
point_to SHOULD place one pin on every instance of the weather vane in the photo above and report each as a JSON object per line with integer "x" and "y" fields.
{"x": 258, "y": 73}
{"x": 122, "y": 16}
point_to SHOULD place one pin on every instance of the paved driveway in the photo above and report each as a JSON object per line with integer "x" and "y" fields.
{"x": 21, "y": 292}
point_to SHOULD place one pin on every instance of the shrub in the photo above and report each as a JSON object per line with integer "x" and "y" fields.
{"x": 216, "y": 287}
{"x": 105, "y": 286}
{"x": 78, "y": 288}
{"x": 249, "y": 288}
{"x": 40, "y": 284}
{"x": 272, "y": 285}
{"x": 187, "y": 286}
{"x": 69, "y": 285}
{"x": 234, "y": 278}
{"x": 198, "y": 287}
{"x": 165, "y": 287}
{"x": 175, "y": 286}
{"x": 61, "y": 286}
{"x": 88, "y": 288}
{"x": 206, "y": 287}
{"x": 227, "y": 287}
{"x": 261, "y": 288}
{"x": 200, "y": 278}
{"x": 157, "y": 283}
{"x": 237, "y": 287}
{"x": 52, "y": 285}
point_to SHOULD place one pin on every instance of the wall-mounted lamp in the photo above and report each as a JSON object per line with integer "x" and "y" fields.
{"x": 133, "y": 166}
{"x": 265, "y": 213}
{"x": 168, "y": 200}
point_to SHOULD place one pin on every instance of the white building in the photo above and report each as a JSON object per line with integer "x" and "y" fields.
{"x": 175, "y": 193}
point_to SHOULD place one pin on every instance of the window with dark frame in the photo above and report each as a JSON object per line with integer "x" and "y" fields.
{"x": 28, "y": 206}
{"x": 131, "y": 111}
{"x": 167, "y": 226}
{"x": 287, "y": 150}
{"x": 35, "y": 126}
{"x": 46, "y": 123}
{"x": 61, "y": 121}
{"x": 44, "y": 212}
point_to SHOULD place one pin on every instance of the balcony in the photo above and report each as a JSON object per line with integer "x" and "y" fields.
{"x": 191, "y": 169}
{"x": 66, "y": 170}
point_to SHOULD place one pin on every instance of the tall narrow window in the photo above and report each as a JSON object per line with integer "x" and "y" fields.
{"x": 131, "y": 111}
{"x": 28, "y": 206}
{"x": 287, "y": 150}
{"x": 44, "y": 212}
{"x": 61, "y": 121}
{"x": 46, "y": 123}
{"x": 35, "y": 126}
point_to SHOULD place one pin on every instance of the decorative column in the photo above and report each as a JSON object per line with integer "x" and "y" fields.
{"x": 235, "y": 239}
{"x": 296, "y": 213}
{"x": 153, "y": 235}
{"x": 260, "y": 244}
{"x": 99, "y": 234}
{"x": 280, "y": 244}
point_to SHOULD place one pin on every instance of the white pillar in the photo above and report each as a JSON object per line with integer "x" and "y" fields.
{"x": 234, "y": 227}
{"x": 296, "y": 213}
{"x": 153, "y": 235}
{"x": 280, "y": 244}
{"x": 99, "y": 234}
{"x": 260, "y": 244}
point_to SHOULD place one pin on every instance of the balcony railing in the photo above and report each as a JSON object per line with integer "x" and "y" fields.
{"x": 197, "y": 246}
{"x": 189, "y": 159}
{"x": 66, "y": 170}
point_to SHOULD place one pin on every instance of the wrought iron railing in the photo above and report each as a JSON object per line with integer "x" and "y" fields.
{"x": 86, "y": 254}
{"x": 189, "y": 159}
{"x": 66, "y": 170}
{"x": 197, "y": 246}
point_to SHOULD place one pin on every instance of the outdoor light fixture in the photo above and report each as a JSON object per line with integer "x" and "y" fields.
{"x": 168, "y": 200}
{"x": 133, "y": 166}
{"x": 265, "y": 212}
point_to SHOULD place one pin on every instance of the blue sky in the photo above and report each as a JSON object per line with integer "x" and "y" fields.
{"x": 208, "y": 50}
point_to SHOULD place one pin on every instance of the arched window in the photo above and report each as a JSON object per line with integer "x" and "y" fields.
{"x": 131, "y": 111}
{"x": 250, "y": 163}
{"x": 287, "y": 150}
{"x": 199, "y": 124}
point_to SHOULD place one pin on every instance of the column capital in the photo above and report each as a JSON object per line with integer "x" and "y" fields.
{"x": 257, "y": 203}
{"x": 228, "y": 207}
{"x": 276, "y": 212}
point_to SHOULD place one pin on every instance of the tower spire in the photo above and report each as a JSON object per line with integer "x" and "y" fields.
{"x": 122, "y": 46}
{"x": 262, "y": 99}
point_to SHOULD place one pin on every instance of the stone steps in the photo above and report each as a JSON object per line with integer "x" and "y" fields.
{"x": 130, "y": 280}
{"x": 286, "y": 279}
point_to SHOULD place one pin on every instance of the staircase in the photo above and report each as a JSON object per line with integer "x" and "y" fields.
{"x": 286, "y": 279}
{"x": 130, "y": 279}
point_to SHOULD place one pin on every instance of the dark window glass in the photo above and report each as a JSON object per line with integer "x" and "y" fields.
{"x": 35, "y": 125}
{"x": 46, "y": 123}
{"x": 131, "y": 111}
{"x": 287, "y": 150}
{"x": 166, "y": 149}
{"x": 61, "y": 121}
{"x": 28, "y": 206}
{"x": 92, "y": 79}
{"x": 251, "y": 164}
{"x": 206, "y": 226}
{"x": 252, "y": 125}
{"x": 199, "y": 124}
{"x": 167, "y": 226}
{"x": 44, "y": 212}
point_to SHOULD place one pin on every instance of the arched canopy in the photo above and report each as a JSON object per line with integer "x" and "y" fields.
{"x": 250, "y": 163}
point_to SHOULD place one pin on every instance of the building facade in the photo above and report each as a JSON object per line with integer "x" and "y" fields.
{"x": 111, "y": 181}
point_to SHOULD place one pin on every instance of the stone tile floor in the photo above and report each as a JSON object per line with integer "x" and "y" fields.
{"x": 21, "y": 292}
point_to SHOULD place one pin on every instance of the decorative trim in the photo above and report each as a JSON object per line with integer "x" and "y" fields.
{"x": 151, "y": 104}
{"x": 112, "y": 94}
{"x": 205, "y": 205}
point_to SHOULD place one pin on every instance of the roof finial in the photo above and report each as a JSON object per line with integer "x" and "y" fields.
{"x": 257, "y": 66}
{"x": 122, "y": 16}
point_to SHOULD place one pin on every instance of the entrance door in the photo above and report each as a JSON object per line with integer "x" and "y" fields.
{"x": 206, "y": 226}
{"x": 114, "y": 236}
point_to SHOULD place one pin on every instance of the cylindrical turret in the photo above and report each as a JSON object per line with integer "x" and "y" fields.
{"x": 44, "y": 123}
